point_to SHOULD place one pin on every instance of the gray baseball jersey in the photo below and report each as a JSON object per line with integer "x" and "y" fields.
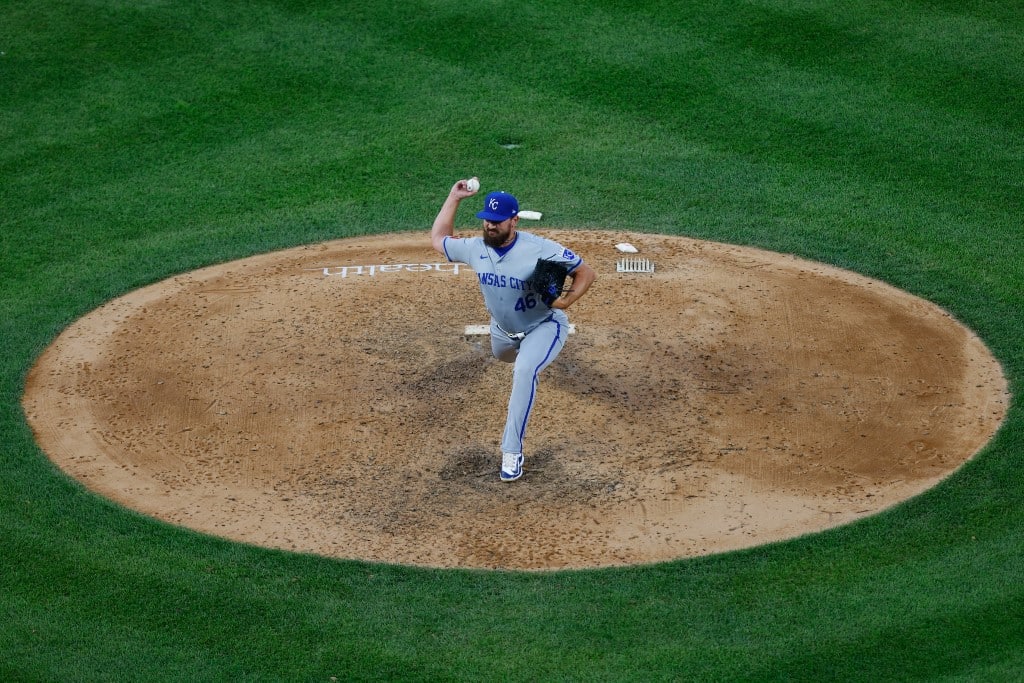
{"x": 503, "y": 273}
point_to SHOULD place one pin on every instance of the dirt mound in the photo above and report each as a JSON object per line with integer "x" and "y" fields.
{"x": 328, "y": 399}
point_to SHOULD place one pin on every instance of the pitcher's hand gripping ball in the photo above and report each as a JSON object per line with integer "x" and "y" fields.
{"x": 548, "y": 280}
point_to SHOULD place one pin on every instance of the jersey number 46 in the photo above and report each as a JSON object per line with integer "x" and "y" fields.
{"x": 525, "y": 302}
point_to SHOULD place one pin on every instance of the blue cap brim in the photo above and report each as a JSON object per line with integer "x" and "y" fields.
{"x": 494, "y": 217}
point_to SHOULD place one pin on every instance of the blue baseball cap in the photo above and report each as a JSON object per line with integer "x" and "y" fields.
{"x": 498, "y": 207}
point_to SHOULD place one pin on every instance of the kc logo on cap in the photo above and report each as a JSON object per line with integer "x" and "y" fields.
{"x": 498, "y": 207}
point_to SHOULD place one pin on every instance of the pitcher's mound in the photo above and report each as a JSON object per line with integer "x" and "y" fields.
{"x": 327, "y": 399}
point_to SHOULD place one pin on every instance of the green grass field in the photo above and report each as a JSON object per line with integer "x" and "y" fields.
{"x": 142, "y": 139}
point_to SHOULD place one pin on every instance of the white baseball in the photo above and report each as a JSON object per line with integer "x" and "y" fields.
{"x": 472, "y": 184}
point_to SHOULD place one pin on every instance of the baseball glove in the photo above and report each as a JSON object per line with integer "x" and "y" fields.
{"x": 548, "y": 280}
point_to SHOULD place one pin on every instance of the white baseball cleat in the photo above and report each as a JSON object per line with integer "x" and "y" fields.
{"x": 511, "y": 466}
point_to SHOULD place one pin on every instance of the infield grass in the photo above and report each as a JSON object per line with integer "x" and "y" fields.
{"x": 143, "y": 139}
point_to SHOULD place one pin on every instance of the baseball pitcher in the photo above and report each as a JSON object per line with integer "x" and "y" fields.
{"x": 522, "y": 278}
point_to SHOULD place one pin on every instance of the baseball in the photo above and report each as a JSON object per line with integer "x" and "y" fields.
{"x": 472, "y": 184}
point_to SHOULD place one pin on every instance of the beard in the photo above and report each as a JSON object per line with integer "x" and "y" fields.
{"x": 496, "y": 238}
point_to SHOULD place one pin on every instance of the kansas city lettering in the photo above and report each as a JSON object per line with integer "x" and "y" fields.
{"x": 346, "y": 271}
{"x": 495, "y": 280}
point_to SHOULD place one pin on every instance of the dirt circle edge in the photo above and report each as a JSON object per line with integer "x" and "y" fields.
{"x": 112, "y": 475}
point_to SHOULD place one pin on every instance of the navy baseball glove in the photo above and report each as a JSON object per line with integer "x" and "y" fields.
{"x": 548, "y": 280}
